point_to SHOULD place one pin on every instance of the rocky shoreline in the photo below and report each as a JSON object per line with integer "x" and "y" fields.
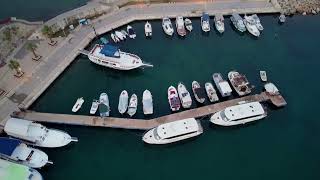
{"x": 300, "y": 6}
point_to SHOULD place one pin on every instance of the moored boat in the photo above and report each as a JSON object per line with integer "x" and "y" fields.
{"x": 239, "y": 114}
{"x": 114, "y": 38}
{"x": 119, "y": 35}
{"x": 104, "y": 108}
{"x": 180, "y": 26}
{"x": 219, "y": 22}
{"x": 147, "y": 102}
{"x": 94, "y": 106}
{"x": 78, "y": 104}
{"x": 184, "y": 96}
{"x": 15, "y": 150}
{"x": 239, "y": 82}
{"x": 263, "y": 76}
{"x": 173, "y": 131}
{"x": 211, "y": 92}
{"x": 222, "y": 85}
{"x": 123, "y": 102}
{"x": 251, "y": 26}
{"x": 271, "y": 89}
{"x": 188, "y": 24}
{"x": 173, "y": 99}
{"x": 237, "y": 21}
{"x": 257, "y": 22}
{"x": 205, "y": 22}
{"x": 37, "y": 134}
{"x": 124, "y": 33}
{"x": 133, "y": 105}
{"x": 167, "y": 26}
{"x": 198, "y": 92}
{"x": 131, "y": 32}
{"x": 282, "y": 18}
{"x": 148, "y": 29}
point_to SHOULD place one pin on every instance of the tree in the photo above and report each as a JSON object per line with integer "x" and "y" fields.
{"x": 47, "y": 31}
{"x": 15, "y": 65}
{"x": 32, "y": 47}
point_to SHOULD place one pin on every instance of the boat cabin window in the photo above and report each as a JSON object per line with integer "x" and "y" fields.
{"x": 172, "y": 137}
{"x": 30, "y": 155}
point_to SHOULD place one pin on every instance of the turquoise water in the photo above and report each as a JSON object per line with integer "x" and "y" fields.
{"x": 285, "y": 145}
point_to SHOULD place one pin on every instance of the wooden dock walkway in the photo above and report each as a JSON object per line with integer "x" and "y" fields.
{"x": 141, "y": 124}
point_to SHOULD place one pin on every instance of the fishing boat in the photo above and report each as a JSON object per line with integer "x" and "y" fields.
{"x": 173, "y": 99}
{"x": 147, "y": 102}
{"x": 104, "y": 40}
{"x": 37, "y": 134}
{"x": 104, "y": 107}
{"x": 251, "y": 26}
{"x": 131, "y": 32}
{"x": 173, "y": 131}
{"x": 211, "y": 92}
{"x": 219, "y": 22}
{"x": 119, "y": 35}
{"x": 112, "y": 57}
{"x": 263, "y": 76}
{"x": 282, "y": 18}
{"x": 148, "y": 29}
{"x": 114, "y": 38}
{"x": 180, "y": 26}
{"x": 237, "y": 21}
{"x": 205, "y": 22}
{"x": 257, "y": 22}
{"x": 188, "y": 24}
{"x": 94, "y": 106}
{"x": 222, "y": 85}
{"x": 184, "y": 96}
{"x": 15, "y": 150}
{"x": 239, "y": 114}
{"x": 271, "y": 89}
{"x": 167, "y": 26}
{"x": 124, "y": 33}
{"x": 198, "y": 92}
{"x": 14, "y": 171}
{"x": 239, "y": 83}
{"x": 133, "y": 105}
{"x": 78, "y": 104}
{"x": 123, "y": 102}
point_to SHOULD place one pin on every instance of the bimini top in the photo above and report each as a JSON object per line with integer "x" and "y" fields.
{"x": 244, "y": 111}
{"x": 7, "y": 145}
{"x": 111, "y": 51}
{"x": 205, "y": 16}
{"x": 9, "y": 170}
{"x": 176, "y": 128}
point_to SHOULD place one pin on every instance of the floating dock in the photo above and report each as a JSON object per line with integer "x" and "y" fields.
{"x": 142, "y": 124}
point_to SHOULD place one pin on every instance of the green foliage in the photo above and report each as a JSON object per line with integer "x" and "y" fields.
{"x": 14, "y": 65}
{"x": 7, "y": 34}
{"x": 32, "y": 46}
{"x": 47, "y": 31}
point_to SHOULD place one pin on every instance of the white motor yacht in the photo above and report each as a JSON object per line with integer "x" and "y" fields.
{"x": 131, "y": 32}
{"x": 205, "y": 22}
{"x": 188, "y": 24}
{"x": 123, "y": 102}
{"x": 78, "y": 104}
{"x": 180, "y": 26}
{"x": 133, "y": 105}
{"x": 251, "y": 26}
{"x": 237, "y": 22}
{"x": 36, "y": 134}
{"x": 173, "y": 99}
{"x": 114, "y": 38}
{"x": 119, "y": 35}
{"x": 219, "y": 22}
{"x": 239, "y": 114}
{"x": 94, "y": 106}
{"x": 263, "y": 76}
{"x": 147, "y": 102}
{"x": 257, "y": 21}
{"x": 173, "y": 131}
{"x": 104, "y": 107}
{"x": 124, "y": 33}
{"x": 184, "y": 96}
{"x": 211, "y": 92}
{"x": 271, "y": 89}
{"x": 222, "y": 85}
{"x": 167, "y": 26}
{"x": 148, "y": 29}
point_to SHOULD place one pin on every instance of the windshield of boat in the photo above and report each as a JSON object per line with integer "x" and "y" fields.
{"x": 223, "y": 116}
{"x": 155, "y": 133}
{"x": 184, "y": 94}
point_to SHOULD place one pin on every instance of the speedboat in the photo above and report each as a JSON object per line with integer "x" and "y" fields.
{"x": 188, "y": 24}
{"x": 112, "y": 57}
{"x": 114, "y": 38}
{"x": 237, "y": 21}
{"x": 15, "y": 150}
{"x": 173, "y": 99}
{"x": 173, "y": 131}
{"x": 211, "y": 92}
{"x": 37, "y": 134}
{"x": 14, "y": 171}
{"x": 180, "y": 26}
{"x": 219, "y": 22}
{"x": 94, "y": 106}
{"x": 205, "y": 22}
{"x": 119, "y": 35}
{"x": 147, "y": 102}
{"x": 131, "y": 32}
{"x": 282, "y": 18}
{"x": 78, "y": 104}
{"x": 198, "y": 92}
{"x": 271, "y": 89}
{"x": 263, "y": 76}
{"x": 104, "y": 107}
{"x": 257, "y": 22}
{"x": 133, "y": 105}
{"x": 222, "y": 85}
{"x": 239, "y": 82}
{"x": 251, "y": 26}
{"x": 167, "y": 26}
{"x": 148, "y": 29}
{"x": 184, "y": 96}
{"x": 123, "y": 102}
{"x": 239, "y": 114}
{"x": 124, "y": 33}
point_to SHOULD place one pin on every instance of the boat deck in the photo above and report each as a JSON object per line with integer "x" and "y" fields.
{"x": 141, "y": 124}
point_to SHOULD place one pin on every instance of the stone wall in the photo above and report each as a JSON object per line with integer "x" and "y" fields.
{"x": 300, "y": 6}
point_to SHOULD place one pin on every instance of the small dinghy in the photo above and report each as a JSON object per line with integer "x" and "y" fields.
{"x": 271, "y": 89}
{"x": 119, "y": 35}
{"x": 211, "y": 92}
{"x": 198, "y": 92}
{"x": 94, "y": 106}
{"x": 188, "y": 24}
{"x": 167, "y": 26}
{"x": 173, "y": 99}
{"x": 104, "y": 107}
{"x": 16, "y": 150}
{"x": 184, "y": 96}
{"x": 147, "y": 102}
{"x": 131, "y": 32}
{"x": 148, "y": 29}
{"x": 78, "y": 104}
{"x": 282, "y": 18}
{"x": 123, "y": 102}
{"x": 263, "y": 76}
{"x": 133, "y": 104}
{"x": 104, "y": 40}
{"x": 114, "y": 38}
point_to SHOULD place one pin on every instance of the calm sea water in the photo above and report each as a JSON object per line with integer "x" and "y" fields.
{"x": 285, "y": 145}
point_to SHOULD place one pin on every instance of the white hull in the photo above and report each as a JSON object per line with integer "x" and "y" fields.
{"x": 188, "y": 24}
{"x": 184, "y": 96}
{"x": 263, "y": 76}
{"x": 131, "y": 32}
{"x": 133, "y": 104}
{"x": 78, "y": 104}
{"x": 147, "y": 102}
{"x": 211, "y": 92}
{"x": 239, "y": 83}
{"x": 167, "y": 26}
{"x": 148, "y": 29}
{"x": 222, "y": 85}
{"x": 205, "y": 24}
{"x": 251, "y": 27}
{"x": 120, "y": 35}
{"x": 234, "y": 123}
{"x": 123, "y": 102}
{"x": 180, "y": 26}
{"x": 173, "y": 99}
{"x": 94, "y": 106}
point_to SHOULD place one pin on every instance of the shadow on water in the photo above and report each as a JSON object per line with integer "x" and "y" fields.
{"x": 206, "y": 34}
